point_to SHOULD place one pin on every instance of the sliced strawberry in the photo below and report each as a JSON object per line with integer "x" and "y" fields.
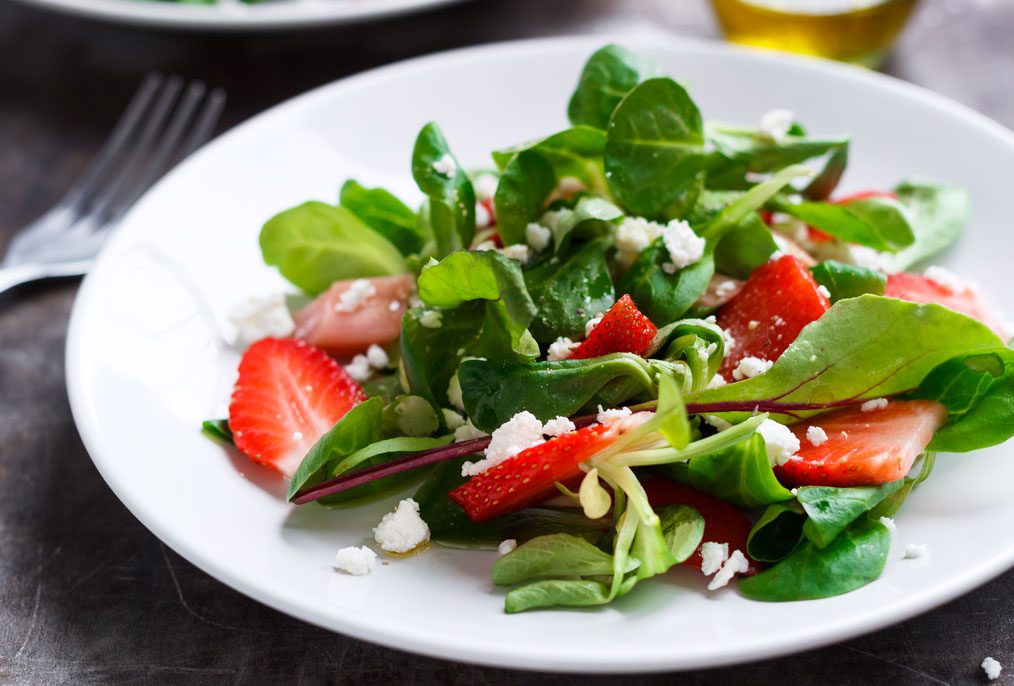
{"x": 287, "y": 396}
{"x": 723, "y": 522}
{"x": 491, "y": 208}
{"x": 623, "y": 329}
{"x": 863, "y": 448}
{"x": 529, "y": 477}
{"x": 966, "y": 299}
{"x": 777, "y": 301}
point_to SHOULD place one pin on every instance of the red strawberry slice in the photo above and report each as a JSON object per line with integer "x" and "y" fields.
{"x": 777, "y": 301}
{"x": 623, "y": 329}
{"x": 528, "y": 478}
{"x": 723, "y": 522}
{"x": 287, "y": 396}
{"x": 863, "y": 448}
{"x": 966, "y": 300}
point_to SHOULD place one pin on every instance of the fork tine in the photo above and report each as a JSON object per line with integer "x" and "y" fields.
{"x": 110, "y": 150}
{"x": 206, "y": 122}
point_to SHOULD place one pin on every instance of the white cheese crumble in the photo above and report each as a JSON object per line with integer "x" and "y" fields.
{"x": 561, "y": 349}
{"x": 822, "y": 289}
{"x": 889, "y": 523}
{"x": 355, "y": 561}
{"x": 750, "y": 367}
{"x": 402, "y": 530}
{"x": 507, "y": 546}
{"x": 518, "y": 251}
{"x": 520, "y": 432}
{"x": 358, "y": 292}
{"x": 431, "y": 319}
{"x": 716, "y": 381}
{"x": 775, "y": 124}
{"x": 726, "y": 289}
{"x": 914, "y": 551}
{"x": 816, "y": 435}
{"x": 259, "y": 318}
{"x": 377, "y": 356}
{"x": 863, "y": 256}
{"x": 874, "y": 405}
{"x": 736, "y": 564}
{"x": 608, "y": 416}
{"x": 394, "y": 306}
{"x": 537, "y": 236}
{"x": 592, "y": 323}
{"x": 780, "y": 442}
{"x": 558, "y": 426}
{"x": 454, "y": 393}
{"x": 569, "y": 185}
{"x": 468, "y": 432}
{"x": 947, "y": 279}
{"x": 482, "y": 218}
{"x": 452, "y": 419}
{"x": 669, "y": 268}
{"x": 713, "y": 556}
{"x": 992, "y": 668}
{"x": 484, "y": 186}
{"x": 730, "y": 342}
{"x": 359, "y": 368}
{"x": 485, "y": 246}
{"x": 685, "y": 247}
{"x": 445, "y": 165}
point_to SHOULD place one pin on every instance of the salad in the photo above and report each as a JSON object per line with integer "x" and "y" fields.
{"x": 644, "y": 341}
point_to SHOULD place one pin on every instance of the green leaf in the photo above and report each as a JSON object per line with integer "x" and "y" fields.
{"x": 683, "y": 529}
{"x": 655, "y": 147}
{"x": 357, "y": 429}
{"x": 864, "y": 347}
{"x": 570, "y": 291}
{"x": 848, "y": 281}
{"x": 551, "y": 556}
{"x": 589, "y": 211}
{"x": 557, "y": 593}
{"x": 744, "y": 247}
{"x": 828, "y": 178}
{"x": 664, "y": 297}
{"x": 978, "y": 391}
{"x": 696, "y": 343}
{"x": 832, "y": 509}
{"x": 855, "y": 558}
{"x": 385, "y": 214}
{"x": 495, "y": 390}
{"x": 451, "y": 206}
{"x": 430, "y": 356}
{"x": 610, "y": 73}
{"x": 777, "y": 532}
{"x": 217, "y": 430}
{"x": 575, "y": 152}
{"x": 675, "y": 426}
{"x": 410, "y": 415}
{"x": 937, "y": 214}
{"x": 315, "y": 244}
{"x": 879, "y": 223}
{"x": 521, "y": 194}
{"x": 740, "y": 474}
{"x": 890, "y": 505}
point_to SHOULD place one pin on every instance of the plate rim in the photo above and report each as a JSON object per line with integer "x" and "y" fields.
{"x": 491, "y": 655}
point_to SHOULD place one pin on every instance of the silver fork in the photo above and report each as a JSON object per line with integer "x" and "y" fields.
{"x": 163, "y": 124}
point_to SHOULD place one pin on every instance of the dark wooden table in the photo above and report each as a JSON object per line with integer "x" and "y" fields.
{"x": 89, "y": 595}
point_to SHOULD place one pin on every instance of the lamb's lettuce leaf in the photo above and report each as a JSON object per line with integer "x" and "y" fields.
{"x": 450, "y": 209}
{"x": 521, "y": 194}
{"x": 830, "y": 510}
{"x": 937, "y": 214}
{"x": 555, "y": 555}
{"x": 590, "y": 215}
{"x": 610, "y": 73}
{"x": 777, "y": 533}
{"x": 847, "y": 280}
{"x": 575, "y": 152}
{"x": 880, "y": 223}
{"x": 385, "y": 214}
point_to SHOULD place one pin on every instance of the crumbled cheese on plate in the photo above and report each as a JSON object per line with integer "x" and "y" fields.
{"x": 355, "y": 561}
{"x": 402, "y": 530}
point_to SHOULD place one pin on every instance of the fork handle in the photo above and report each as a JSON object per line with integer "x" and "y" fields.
{"x": 17, "y": 274}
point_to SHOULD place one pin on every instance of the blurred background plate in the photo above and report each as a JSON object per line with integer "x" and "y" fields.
{"x": 146, "y": 358}
{"x": 235, "y": 15}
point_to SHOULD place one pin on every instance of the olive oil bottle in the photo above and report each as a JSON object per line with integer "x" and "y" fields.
{"x": 857, "y": 31}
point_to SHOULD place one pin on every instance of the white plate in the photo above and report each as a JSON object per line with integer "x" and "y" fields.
{"x": 146, "y": 363}
{"x": 236, "y": 15}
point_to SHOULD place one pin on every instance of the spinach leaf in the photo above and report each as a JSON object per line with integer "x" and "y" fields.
{"x": 357, "y": 429}
{"x": 557, "y": 593}
{"x": 744, "y": 247}
{"x": 575, "y": 152}
{"x": 430, "y": 355}
{"x": 741, "y": 150}
{"x": 451, "y": 207}
{"x": 864, "y": 347}
{"x": 831, "y": 509}
{"x": 682, "y": 529}
{"x": 588, "y": 212}
{"x": 411, "y": 416}
{"x": 494, "y": 390}
{"x": 385, "y": 214}
{"x": 890, "y": 505}
{"x": 315, "y": 244}
{"x": 661, "y": 296}
{"x": 937, "y": 214}
{"x": 555, "y": 555}
{"x": 571, "y": 291}
{"x": 610, "y": 73}
{"x": 853, "y": 559}
{"x": 521, "y": 194}
{"x": 777, "y": 532}
{"x": 697, "y": 344}
{"x": 740, "y": 474}
{"x": 217, "y": 430}
{"x": 847, "y": 280}
{"x": 880, "y": 223}
{"x": 978, "y": 391}
{"x": 655, "y": 147}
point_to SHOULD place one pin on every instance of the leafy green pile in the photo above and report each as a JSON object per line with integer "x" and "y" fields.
{"x": 639, "y": 147}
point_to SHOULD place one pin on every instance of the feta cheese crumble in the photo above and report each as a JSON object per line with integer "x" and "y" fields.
{"x": 634, "y": 234}
{"x": 355, "y": 561}
{"x": 445, "y": 165}
{"x": 607, "y": 416}
{"x": 482, "y": 218}
{"x": 454, "y": 393}
{"x": 561, "y": 349}
{"x": 726, "y": 290}
{"x": 592, "y": 323}
{"x": 518, "y": 251}
{"x": 889, "y": 523}
{"x": 947, "y": 279}
{"x": 736, "y": 564}
{"x": 775, "y": 124}
{"x": 730, "y": 342}
{"x": 685, "y": 247}
{"x": 537, "y": 236}
{"x": 358, "y": 292}
{"x": 750, "y": 367}
{"x": 377, "y": 356}
{"x": 468, "y": 432}
{"x": 816, "y": 435}
{"x": 780, "y": 442}
{"x": 822, "y": 289}
{"x": 874, "y": 405}
{"x": 558, "y": 426}
{"x": 484, "y": 186}
{"x": 992, "y": 668}
{"x": 431, "y": 319}
{"x": 452, "y": 419}
{"x": 914, "y": 551}
{"x": 520, "y": 432}
{"x": 359, "y": 368}
{"x": 507, "y": 546}
{"x": 713, "y": 556}
{"x": 716, "y": 381}
{"x": 485, "y": 246}
{"x": 402, "y": 530}
{"x": 259, "y": 318}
